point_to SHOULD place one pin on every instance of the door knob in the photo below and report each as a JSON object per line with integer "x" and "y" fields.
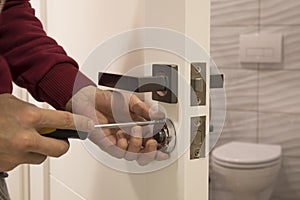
{"x": 166, "y": 137}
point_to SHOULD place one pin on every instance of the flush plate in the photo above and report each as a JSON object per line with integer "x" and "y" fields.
{"x": 261, "y": 48}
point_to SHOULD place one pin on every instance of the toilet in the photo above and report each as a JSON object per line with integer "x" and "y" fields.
{"x": 248, "y": 170}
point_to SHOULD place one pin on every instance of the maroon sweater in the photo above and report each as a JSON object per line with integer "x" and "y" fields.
{"x": 32, "y": 59}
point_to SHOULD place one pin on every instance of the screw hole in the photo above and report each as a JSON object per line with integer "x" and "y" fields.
{"x": 197, "y": 153}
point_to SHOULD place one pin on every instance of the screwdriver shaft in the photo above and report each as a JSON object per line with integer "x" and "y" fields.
{"x": 129, "y": 124}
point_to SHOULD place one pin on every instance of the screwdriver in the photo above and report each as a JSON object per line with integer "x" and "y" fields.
{"x": 66, "y": 133}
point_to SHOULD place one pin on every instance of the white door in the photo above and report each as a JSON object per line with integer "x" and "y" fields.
{"x": 80, "y": 26}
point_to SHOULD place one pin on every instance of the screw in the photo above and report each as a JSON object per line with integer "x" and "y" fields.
{"x": 197, "y": 153}
{"x": 198, "y": 69}
{"x": 199, "y": 100}
{"x": 197, "y": 122}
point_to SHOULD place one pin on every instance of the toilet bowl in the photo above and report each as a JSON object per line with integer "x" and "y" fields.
{"x": 248, "y": 170}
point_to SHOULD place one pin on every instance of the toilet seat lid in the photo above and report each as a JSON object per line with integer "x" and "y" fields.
{"x": 247, "y": 153}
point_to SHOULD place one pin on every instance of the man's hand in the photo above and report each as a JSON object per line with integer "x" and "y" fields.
{"x": 110, "y": 107}
{"x": 20, "y": 141}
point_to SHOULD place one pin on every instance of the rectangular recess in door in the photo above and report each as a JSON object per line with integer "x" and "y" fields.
{"x": 198, "y": 84}
{"x": 169, "y": 95}
{"x": 198, "y": 130}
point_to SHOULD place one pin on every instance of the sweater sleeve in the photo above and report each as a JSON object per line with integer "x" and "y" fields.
{"x": 5, "y": 77}
{"x": 36, "y": 61}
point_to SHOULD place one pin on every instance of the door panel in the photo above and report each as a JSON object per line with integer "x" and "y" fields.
{"x": 62, "y": 191}
{"x": 78, "y": 175}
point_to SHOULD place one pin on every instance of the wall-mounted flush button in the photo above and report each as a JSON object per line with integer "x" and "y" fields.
{"x": 261, "y": 48}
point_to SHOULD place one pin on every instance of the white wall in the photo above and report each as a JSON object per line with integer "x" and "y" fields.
{"x": 263, "y": 103}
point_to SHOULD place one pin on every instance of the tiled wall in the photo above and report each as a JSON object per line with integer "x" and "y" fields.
{"x": 263, "y": 101}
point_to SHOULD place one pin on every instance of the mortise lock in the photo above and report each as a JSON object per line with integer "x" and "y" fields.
{"x": 197, "y": 138}
{"x": 163, "y": 83}
{"x": 198, "y": 83}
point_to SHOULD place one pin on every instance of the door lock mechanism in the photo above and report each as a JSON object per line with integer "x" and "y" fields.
{"x": 166, "y": 137}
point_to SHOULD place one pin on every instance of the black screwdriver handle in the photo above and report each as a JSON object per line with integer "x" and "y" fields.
{"x": 66, "y": 134}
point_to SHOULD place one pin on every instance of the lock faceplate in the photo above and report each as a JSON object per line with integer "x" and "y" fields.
{"x": 198, "y": 130}
{"x": 198, "y": 84}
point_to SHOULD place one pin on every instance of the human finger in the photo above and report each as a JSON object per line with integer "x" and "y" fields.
{"x": 5, "y": 167}
{"x": 119, "y": 150}
{"x": 36, "y": 143}
{"x": 106, "y": 139}
{"x": 149, "y": 131}
{"x": 102, "y": 137}
{"x": 148, "y": 154}
{"x": 33, "y": 158}
{"x": 62, "y": 120}
{"x": 122, "y": 141}
{"x": 160, "y": 156}
{"x": 135, "y": 143}
{"x": 16, "y": 159}
{"x": 140, "y": 108}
